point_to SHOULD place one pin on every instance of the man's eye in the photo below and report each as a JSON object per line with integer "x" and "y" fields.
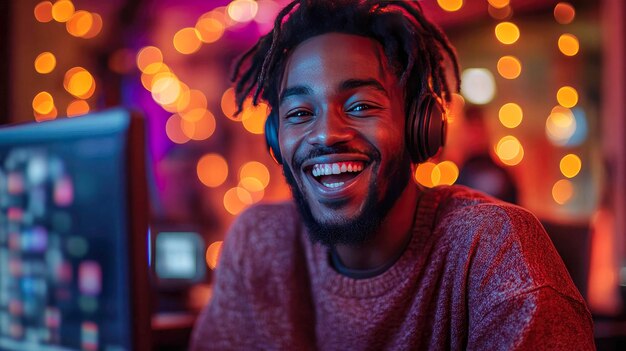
{"x": 360, "y": 107}
{"x": 298, "y": 113}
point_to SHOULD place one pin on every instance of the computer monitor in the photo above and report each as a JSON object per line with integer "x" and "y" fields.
{"x": 73, "y": 235}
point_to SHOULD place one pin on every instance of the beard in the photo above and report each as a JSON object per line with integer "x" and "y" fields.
{"x": 362, "y": 227}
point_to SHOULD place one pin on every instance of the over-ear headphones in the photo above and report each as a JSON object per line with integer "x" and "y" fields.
{"x": 426, "y": 127}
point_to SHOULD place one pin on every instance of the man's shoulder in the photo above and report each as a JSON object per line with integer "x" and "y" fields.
{"x": 266, "y": 224}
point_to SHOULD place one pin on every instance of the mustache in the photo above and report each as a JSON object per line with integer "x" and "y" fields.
{"x": 372, "y": 153}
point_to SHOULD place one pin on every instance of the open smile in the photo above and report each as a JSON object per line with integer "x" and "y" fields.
{"x": 335, "y": 177}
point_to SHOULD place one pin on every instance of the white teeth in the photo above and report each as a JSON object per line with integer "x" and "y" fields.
{"x": 344, "y": 168}
{"x": 349, "y": 168}
{"x": 333, "y": 185}
{"x": 336, "y": 169}
{"x": 327, "y": 170}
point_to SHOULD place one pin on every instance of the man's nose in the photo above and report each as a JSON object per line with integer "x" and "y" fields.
{"x": 329, "y": 128}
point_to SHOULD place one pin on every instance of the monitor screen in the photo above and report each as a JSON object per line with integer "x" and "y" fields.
{"x": 73, "y": 235}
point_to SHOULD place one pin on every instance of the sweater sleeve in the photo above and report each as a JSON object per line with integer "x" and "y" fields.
{"x": 223, "y": 321}
{"x": 520, "y": 294}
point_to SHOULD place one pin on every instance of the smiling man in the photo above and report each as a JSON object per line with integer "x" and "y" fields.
{"x": 363, "y": 258}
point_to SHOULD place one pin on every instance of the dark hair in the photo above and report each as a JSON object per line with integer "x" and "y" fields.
{"x": 413, "y": 46}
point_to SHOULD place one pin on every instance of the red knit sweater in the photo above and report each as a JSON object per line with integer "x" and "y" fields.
{"x": 477, "y": 274}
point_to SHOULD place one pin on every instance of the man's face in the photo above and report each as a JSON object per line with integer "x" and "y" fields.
{"x": 341, "y": 136}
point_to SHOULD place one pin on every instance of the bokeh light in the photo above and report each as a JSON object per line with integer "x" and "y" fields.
{"x": 510, "y": 115}
{"x": 478, "y": 85}
{"x": 253, "y": 117}
{"x": 212, "y": 170}
{"x": 581, "y": 130}
{"x": 507, "y": 32}
{"x": 43, "y": 11}
{"x": 570, "y": 165}
{"x": 213, "y": 254}
{"x": 562, "y": 191}
{"x": 499, "y": 3}
{"x": 509, "y": 150}
{"x": 96, "y": 26}
{"x": 200, "y": 129}
{"x": 509, "y": 67}
{"x": 187, "y": 41}
{"x": 560, "y": 125}
{"x": 62, "y": 10}
{"x": 254, "y": 187}
{"x": 567, "y": 96}
{"x": 174, "y": 130}
{"x": 45, "y": 62}
{"x": 209, "y": 29}
{"x": 500, "y": 13}
{"x": 236, "y": 200}
{"x": 39, "y": 117}
{"x": 79, "y": 82}
{"x": 147, "y": 79}
{"x": 229, "y": 105}
{"x": 448, "y": 173}
{"x": 450, "y": 5}
{"x": 242, "y": 10}
{"x": 165, "y": 88}
{"x": 149, "y": 59}
{"x": 257, "y": 170}
{"x": 564, "y": 13}
{"x": 192, "y": 105}
{"x": 80, "y": 23}
{"x": 568, "y": 44}
{"x": 43, "y": 103}
{"x": 424, "y": 174}
{"x": 77, "y": 108}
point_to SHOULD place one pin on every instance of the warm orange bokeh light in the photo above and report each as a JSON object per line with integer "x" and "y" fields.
{"x": 253, "y": 117}
{"x": 45, "y": 62}
{"x": 567, "y": 96}
{"x": 77, "y": 108}
{"x": 150, "y": 59}
{"x": 450, "y": 5}
{"x": 187, "y": 41}
{"x": 509, "y": 67}
{"x": 229, "y": 105}
{"x": 210, "y": 29}
{"x": 562, "y": 191}
{"x": 510, "y": 115}
{"x": 564, "y": 13}
{"x": 165, "y": 88}
{"x": 174, "y": 130}
{"x": 242, "y": 10}
{"x": 568, "y": 44}
{"x": 255, "y": 188}
{"x": 200, "y": 129}
{"x": 79, "y": 82}
{"x": 507, "y": 32}
{"x": 510, "y": 150}
{"x": 62, "y": 10}
{"x": 236, "y": 200}
{"x": 448, "y": 173}
{"x": 80, "y": 23}
{"x": 570, "y": 165}
{"x": 43, "y": 11}
{"x": 213, "y": 254}
{"x": 560, "y": 125}
{"x": 47, "y": 116}
{"x": 257, "y": 170}
{"x": 96, "y": 26}
{"x": 499, "y": 13}
{"x": 499, "y": 3}
{"x": 43, "y": 103}
{"x": 190, "y": 106}
{"x": 212, "y": 170}
{"x": 424, "y": 174}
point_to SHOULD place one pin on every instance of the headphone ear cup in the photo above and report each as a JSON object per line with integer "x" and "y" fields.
{"x": 427, "y": 127}
{"x": 271, "y": 137}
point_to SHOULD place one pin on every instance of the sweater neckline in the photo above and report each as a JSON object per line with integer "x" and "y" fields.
{"x": 410, "y": 262}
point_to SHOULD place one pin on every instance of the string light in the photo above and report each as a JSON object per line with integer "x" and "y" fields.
{"x": 212, "y": 170}
{"x": 570, "y": 165}
{"x": 568, "y": 44}
{"x": 509, "y": 67}
{"x": 507, "y": 33}
{"x": 45, "y": 62}
{"x": 562, "y": 191}
{"x": 510, "y": 115}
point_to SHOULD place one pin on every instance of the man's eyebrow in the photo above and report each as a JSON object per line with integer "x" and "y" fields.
{"x": 295, "y": 90}
{"x": 358, "y": 83}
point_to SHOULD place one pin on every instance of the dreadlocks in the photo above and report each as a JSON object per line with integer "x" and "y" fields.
{"x": 413, "y": 46}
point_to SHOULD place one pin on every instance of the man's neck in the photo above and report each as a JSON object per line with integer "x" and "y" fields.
{"x": 392, "y": 236}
